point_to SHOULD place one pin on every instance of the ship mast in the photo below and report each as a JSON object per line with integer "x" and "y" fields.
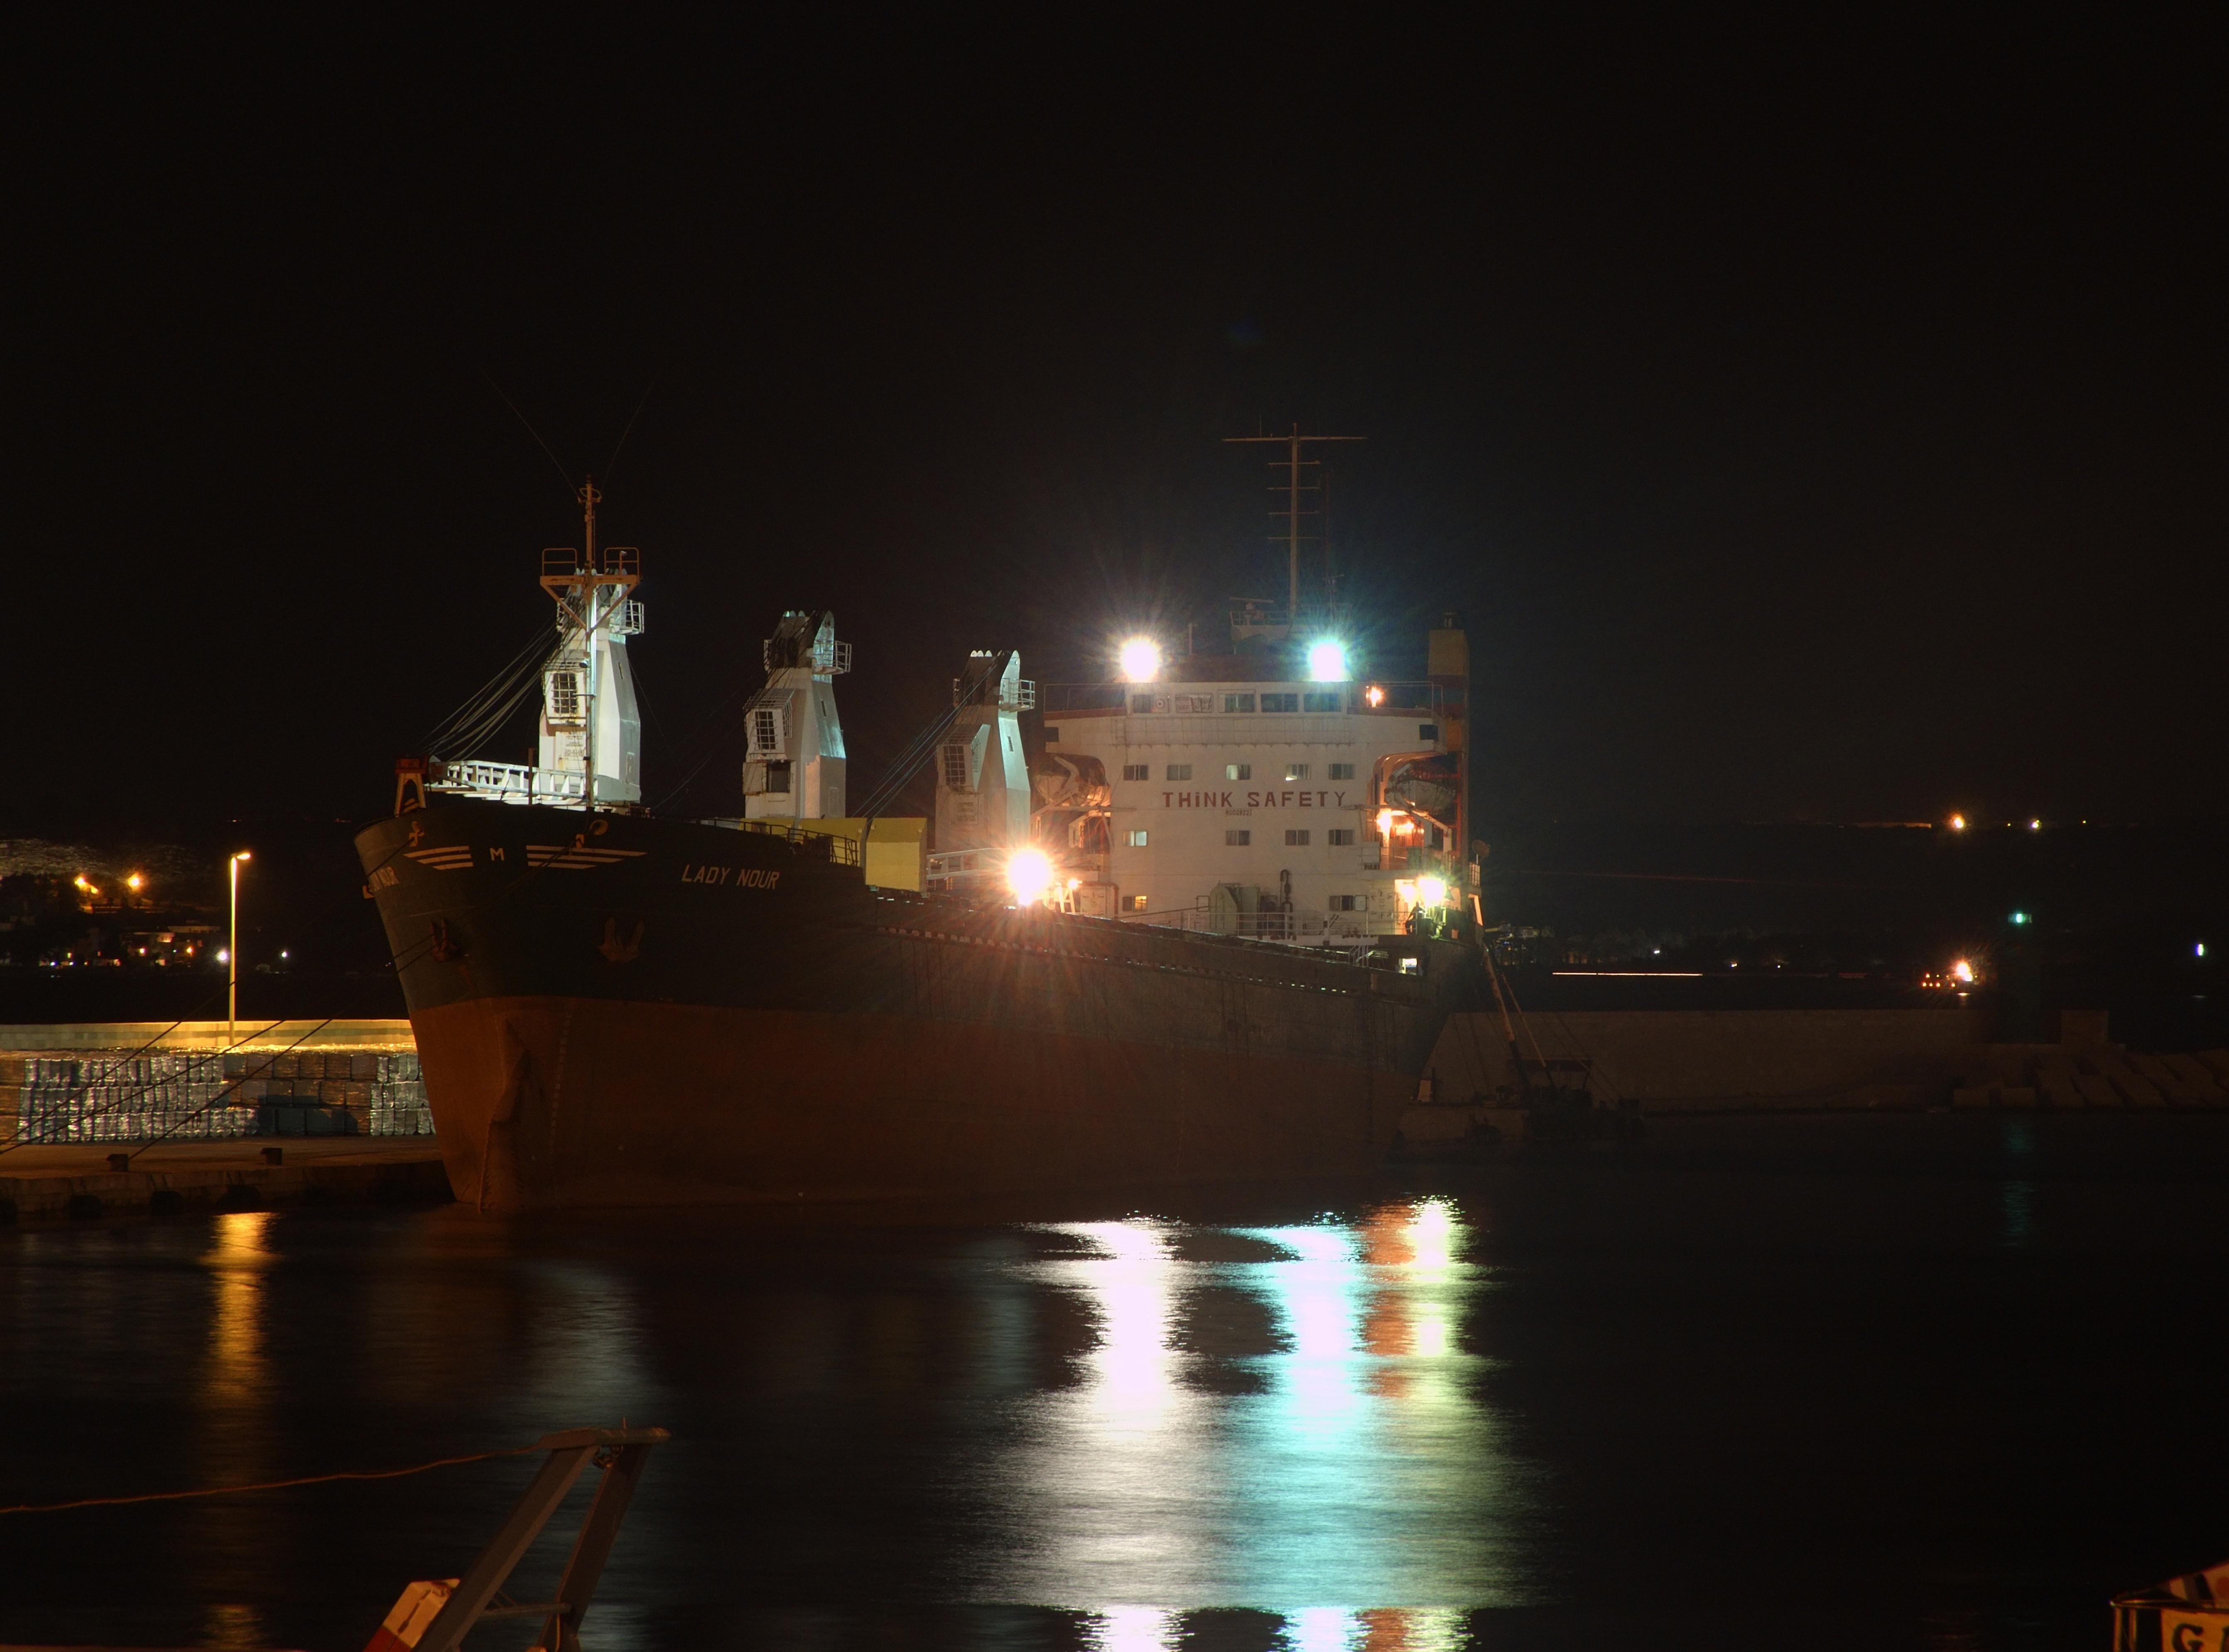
{"x": 1291, "y": 513}
{"x": 589, "y": 497}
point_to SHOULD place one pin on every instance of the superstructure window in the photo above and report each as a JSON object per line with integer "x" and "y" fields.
{"x": 1296, "y": 837}
{"x": 1141, "y": 702}
{"x": 564, "y": 695}
{"x": 1192, "y": 702}
{"x": 1338, "y": 771}
{"x": 765, "y": 728}
{"x": 1297, "y": 771}
{"x": 1333, "y": 701}
{"x": 1052, "y": 737}
{"x": 1134, "y": 903}
{"x": 1238, "y": 702}
{"x": 1428, "y": 731}
{"x": 955, "y": 766}
{"x": 1134, "y": 839}
{"x": 1347, "y": 902}
{"x": 1281, "y": 702}
{"x": 1238, "y": 771}
{"x": 1340, "y": 837}
{"x": 1137, "y": 771}
{"x": 1179, "y": 771}
{"x": 1238, "y": 838}
{"x": 778, "y": 777}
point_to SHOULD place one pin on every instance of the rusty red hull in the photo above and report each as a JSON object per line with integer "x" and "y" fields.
{"x": 660, "y": 1012}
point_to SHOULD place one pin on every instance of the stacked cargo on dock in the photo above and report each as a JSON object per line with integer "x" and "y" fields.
{"x": 118, "y": 1098}
{"x": 190, "y": 1096}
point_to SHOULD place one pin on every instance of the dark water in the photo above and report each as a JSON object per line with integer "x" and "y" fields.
{"x": 1937, "y": 1381}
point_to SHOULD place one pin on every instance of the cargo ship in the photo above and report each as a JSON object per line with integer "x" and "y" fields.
{"x": 613, "y": 1008}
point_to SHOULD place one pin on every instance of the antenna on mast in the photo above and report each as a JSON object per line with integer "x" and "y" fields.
{"x": 590, "y": 497}
{"x": 1293, "y": 487}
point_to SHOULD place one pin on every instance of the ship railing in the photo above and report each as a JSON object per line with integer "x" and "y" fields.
{"x": 831, "y": 847}
{"x": 613, "y": 562}
{"x": 1290, "y": 928}
{"x": 509, "y": 782}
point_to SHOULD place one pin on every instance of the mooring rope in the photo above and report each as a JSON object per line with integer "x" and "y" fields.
{"x": 269, "y": 1485}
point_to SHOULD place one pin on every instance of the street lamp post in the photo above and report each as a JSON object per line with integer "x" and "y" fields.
{"x": 232, "y": 957}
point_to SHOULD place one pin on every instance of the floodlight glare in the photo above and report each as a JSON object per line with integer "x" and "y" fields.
{"x": 1327, "y": 662}
{"x": 1432, "y": 891}
{"x": 1142, "y": 659}
{"x": 1028, "y": 874}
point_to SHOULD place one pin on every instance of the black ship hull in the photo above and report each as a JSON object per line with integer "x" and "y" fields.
{"x": 616, "y": 1010}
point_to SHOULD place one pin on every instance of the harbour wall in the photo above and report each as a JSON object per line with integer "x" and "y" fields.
{"x": 124, "y": 1082}
{"x": 1674, "y": 1061}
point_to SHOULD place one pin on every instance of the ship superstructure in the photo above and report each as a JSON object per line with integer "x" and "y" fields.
{"x": 1278, "y": 794}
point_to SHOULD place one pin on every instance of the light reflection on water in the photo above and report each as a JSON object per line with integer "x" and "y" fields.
{"x": 1339, "y": 1468}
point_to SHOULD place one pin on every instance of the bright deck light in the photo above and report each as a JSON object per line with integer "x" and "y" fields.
{"x": 1957, "y": 823}
{"x": 1142, "y": 659}
{"x": 134, "y": 882}
{"x": 1431, "y": 891}
{"x": 1962, "y": 970}
{"x": 1029, "y": 874}
{"x": 1327, "y": 662}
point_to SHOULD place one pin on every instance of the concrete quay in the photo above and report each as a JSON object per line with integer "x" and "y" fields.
{"x": 1765, "y": 1062}
{"x": 79, "y": 1181}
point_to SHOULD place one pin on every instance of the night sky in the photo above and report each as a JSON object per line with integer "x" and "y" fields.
{"x": 1818, "y": 425}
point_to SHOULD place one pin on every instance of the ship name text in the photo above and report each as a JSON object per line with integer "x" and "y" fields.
{"x": 730, "y": 876}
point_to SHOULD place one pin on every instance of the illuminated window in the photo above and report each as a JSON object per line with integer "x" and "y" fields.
{"x": 1297, "y": 771}
{"x": 1238, "y": 771}
{"x": 1297, "y": 839}
{"x": 1332, "y": 701}
{"x": 1338, "y": 771}
{"x": 1340, "y": 837}
{"x": 1238, "y": 702}
{"x": 1134, "y": 903}
{"x": 1134, "y": 839}
{"x": 1179, "y": 771}
{"x": 1238, "y": 839}
{"x": 564, "y": 694}
{"x": 1137, "y": 771}
{"x": 1347, "y": 902}
{"x": 1281, "y": 702}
